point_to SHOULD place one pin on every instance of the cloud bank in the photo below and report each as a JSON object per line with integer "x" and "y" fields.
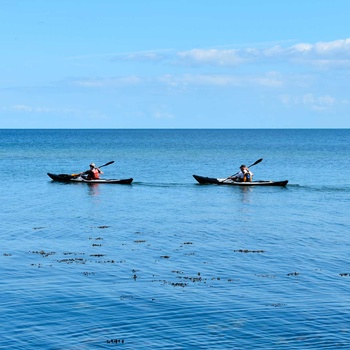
{"x": 320, "y": 54}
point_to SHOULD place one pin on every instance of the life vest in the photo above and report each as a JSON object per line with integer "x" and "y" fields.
{"x": 95, "y": 174}
{"x": 246, "y": 177}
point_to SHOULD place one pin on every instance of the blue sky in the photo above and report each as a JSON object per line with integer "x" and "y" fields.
{"x": 174, "y": 64}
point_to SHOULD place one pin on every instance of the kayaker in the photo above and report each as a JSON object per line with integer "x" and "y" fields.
{"x": 245, "y": 175}
{"x": 93, "y": 173}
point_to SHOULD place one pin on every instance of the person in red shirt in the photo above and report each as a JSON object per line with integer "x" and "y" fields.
{"x": 93, "y": 173}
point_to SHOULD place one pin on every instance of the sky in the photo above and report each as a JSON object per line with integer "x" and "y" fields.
{"x": 174, "y": 64}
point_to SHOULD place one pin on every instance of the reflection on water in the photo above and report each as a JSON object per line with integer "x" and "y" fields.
{"x": 245, "y": 194}
{"x": 94, "y": 190}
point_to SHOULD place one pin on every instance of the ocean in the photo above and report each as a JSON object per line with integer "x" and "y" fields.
{"x": 166, "y": 263}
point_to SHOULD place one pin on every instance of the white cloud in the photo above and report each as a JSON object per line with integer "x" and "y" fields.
{"x": 317, "y": 103}
{"x": 91, "y": 114}
{"x": 142, "y": 56}
{"x": 270, "y": 79}
{"x": 221, "y": 80}
{"x": 28, "y": 109}
{"x": 21, "y": 108}
{"x": 199, "y": 80}
{"x": 108, "y": 82}
{"x": 211, "y": 56}
{"x": 331, "y": 48}
{"x": 321, "y": 54}
{"x": 162, "y": 115}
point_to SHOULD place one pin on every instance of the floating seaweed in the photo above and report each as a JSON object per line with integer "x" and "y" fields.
{"x": 115, "y": 341}
{"x": 103, "y": 262}
{"x": 88, "y": 273}
{"x": 72, "y": 253}
{"x": 293, "y": 274}
{"x": 71, "y": 261}
{"x": 179, "y": 284}
{"x": 43, "y": 253}
{"x": 249, "y": 251}
{"x": 276, "y": 304}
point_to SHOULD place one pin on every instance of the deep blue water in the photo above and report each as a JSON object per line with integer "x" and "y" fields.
{"x": 166, "y": 263}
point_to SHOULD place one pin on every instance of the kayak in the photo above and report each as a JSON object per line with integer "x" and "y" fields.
{"x": 78, "y": 179}
{"x": 210, "y": 180}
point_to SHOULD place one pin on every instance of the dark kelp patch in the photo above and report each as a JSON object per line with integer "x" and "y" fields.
{"x": 72, "y": 253}
{"x": 178, "y": 284}
{"x": 72, "y": 261}
{"x": 276, "y": 304}
{"x": 293, "y": 274}
{"x": 43, "y": 253}
{"x": 115, "y": 341}
{"x": 88, "y": 273}
{"x": 248, "y": 251}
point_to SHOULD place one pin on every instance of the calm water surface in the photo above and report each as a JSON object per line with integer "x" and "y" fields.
{"x": 166, "y": 263}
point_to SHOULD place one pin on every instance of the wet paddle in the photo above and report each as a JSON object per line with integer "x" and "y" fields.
{"x": 110, "y": 163}
{"x": 255, "y": 163}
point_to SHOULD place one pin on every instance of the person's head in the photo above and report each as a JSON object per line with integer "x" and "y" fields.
{"x": 242, "y": 167}
{"x": 92, "y": 165}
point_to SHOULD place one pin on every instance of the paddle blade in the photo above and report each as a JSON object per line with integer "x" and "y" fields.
{"x": 107, "y": 164}
{"x": 257, "y": 162}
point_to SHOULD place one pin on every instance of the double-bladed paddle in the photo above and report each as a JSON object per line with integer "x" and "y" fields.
{"x": 255, "y": 163}
{"x": 101, "y": 166}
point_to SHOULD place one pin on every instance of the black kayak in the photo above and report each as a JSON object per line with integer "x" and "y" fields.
{"x": 210, "y": 180}
{"x": 80, "y": 179}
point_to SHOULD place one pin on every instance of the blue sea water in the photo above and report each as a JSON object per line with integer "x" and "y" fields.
{"x": 166, "y": 263}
